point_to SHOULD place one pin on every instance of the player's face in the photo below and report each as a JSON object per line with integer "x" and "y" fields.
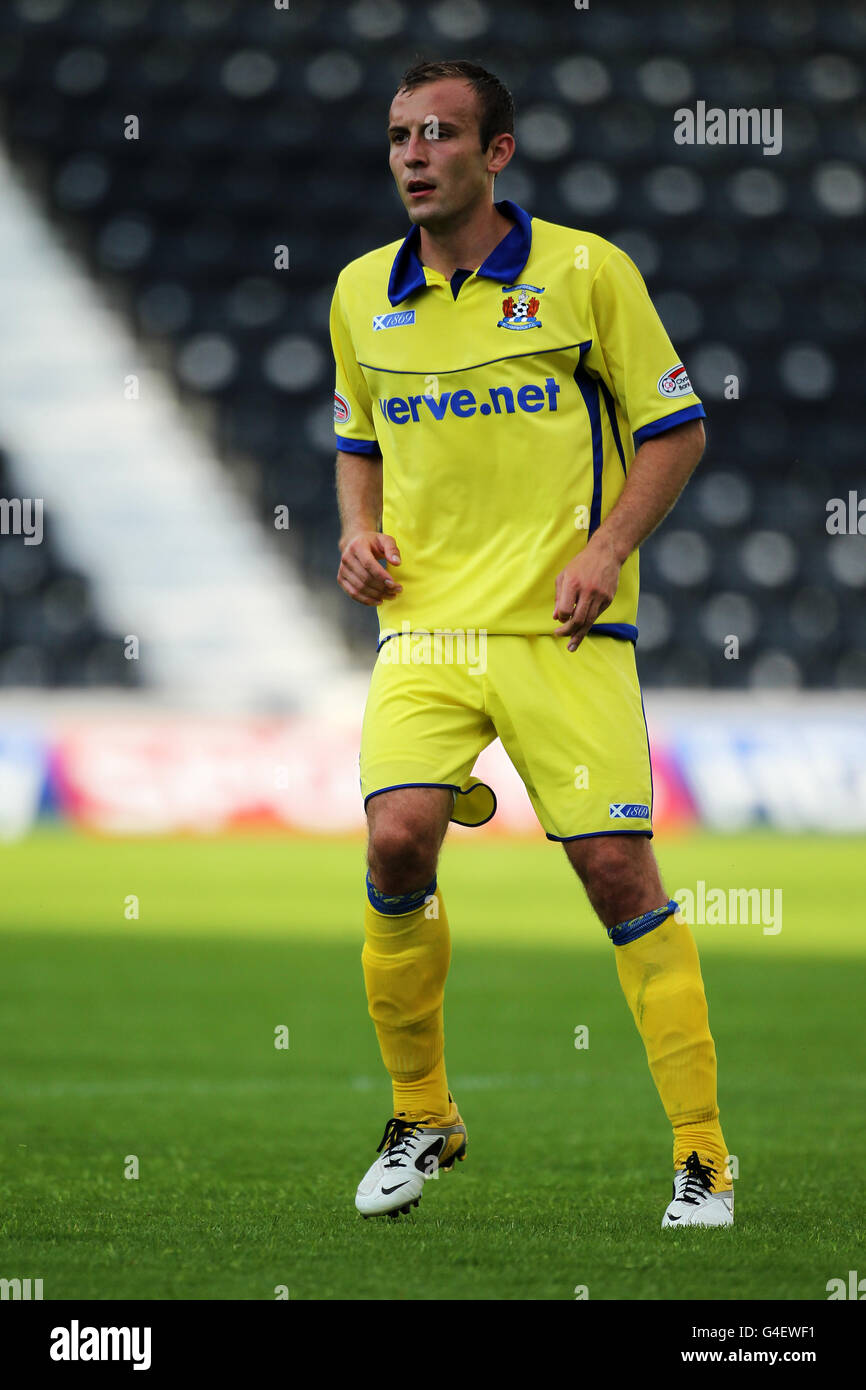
{"x": 436, "y": 156}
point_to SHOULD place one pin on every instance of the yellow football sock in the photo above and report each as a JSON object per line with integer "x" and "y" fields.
{"x": 661, "y": 979}
{"x": 405, "y": 958}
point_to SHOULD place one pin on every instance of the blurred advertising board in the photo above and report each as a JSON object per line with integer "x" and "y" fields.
{"x": 24, "y": 780}
{"x": 721, "y": 765}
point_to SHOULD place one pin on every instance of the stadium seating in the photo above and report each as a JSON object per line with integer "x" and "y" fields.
{"x": 261, "y": 127}
{"x": 50, "y": 634}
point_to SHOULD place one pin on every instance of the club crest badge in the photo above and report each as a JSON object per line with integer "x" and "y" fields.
{"x": 520, "y": 307}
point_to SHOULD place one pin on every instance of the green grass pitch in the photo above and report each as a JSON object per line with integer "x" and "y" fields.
{"x": 154, "y": 1037}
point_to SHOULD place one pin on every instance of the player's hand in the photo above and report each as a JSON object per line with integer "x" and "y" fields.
{"x": 584, "y": 589}
{"x": 361, "y": 575}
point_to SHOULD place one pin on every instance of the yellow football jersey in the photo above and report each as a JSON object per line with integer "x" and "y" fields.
{"x": 507, "y": 405}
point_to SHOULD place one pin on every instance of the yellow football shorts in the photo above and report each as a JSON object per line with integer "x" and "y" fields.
{"x": 572, "y": 723}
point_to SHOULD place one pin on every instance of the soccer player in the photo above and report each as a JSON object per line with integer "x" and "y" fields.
{"x": 512, "y": 423}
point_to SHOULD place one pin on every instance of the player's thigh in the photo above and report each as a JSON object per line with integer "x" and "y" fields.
{"x": 573, "y": 725}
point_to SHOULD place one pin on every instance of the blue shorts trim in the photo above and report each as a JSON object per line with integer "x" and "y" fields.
{"x": 447, "y": 786}
{"x": 593, "y": 834}
{"x": 398, "y": 786}
{"x": 626, "y": 632}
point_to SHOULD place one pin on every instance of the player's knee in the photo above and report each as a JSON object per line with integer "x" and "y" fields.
{"x": 401, "y": 856}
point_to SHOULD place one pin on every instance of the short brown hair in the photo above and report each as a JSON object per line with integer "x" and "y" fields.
{"x": 494, "y": 98}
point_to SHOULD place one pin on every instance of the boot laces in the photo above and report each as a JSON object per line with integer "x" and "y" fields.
{"x": 698, "y": 1180}
{"x": 396, "y": 1140}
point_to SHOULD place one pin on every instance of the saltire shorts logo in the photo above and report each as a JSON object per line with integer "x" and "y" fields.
{"x": 675, "y": 382}
{"x": 396, "y": 320}
{"x": 342, "y": 409}
{"x": 520, "y": 306}
{"x": 628, "y": 810}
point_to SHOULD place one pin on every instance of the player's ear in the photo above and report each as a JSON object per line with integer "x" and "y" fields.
{"x": 499, "y": 152}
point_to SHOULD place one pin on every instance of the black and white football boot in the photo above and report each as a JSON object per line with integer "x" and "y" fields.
{"x": 412, "y": 1151}
{"x": 694, "y": 1203}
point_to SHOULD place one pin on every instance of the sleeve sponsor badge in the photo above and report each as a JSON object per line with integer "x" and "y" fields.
{"x": 675, "y": 382}
{"x": 342, "y": 410}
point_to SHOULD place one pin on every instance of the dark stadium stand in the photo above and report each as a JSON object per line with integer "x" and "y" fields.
{"x": 261, "y": 126}
{"x": 49, "y": 633}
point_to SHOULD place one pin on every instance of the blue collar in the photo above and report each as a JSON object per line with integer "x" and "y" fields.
{"x": 504, "y": 263}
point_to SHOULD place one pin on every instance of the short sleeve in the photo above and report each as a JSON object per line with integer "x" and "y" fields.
{"x": 633, "y": 354}
{"x": 353, "y": 418}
